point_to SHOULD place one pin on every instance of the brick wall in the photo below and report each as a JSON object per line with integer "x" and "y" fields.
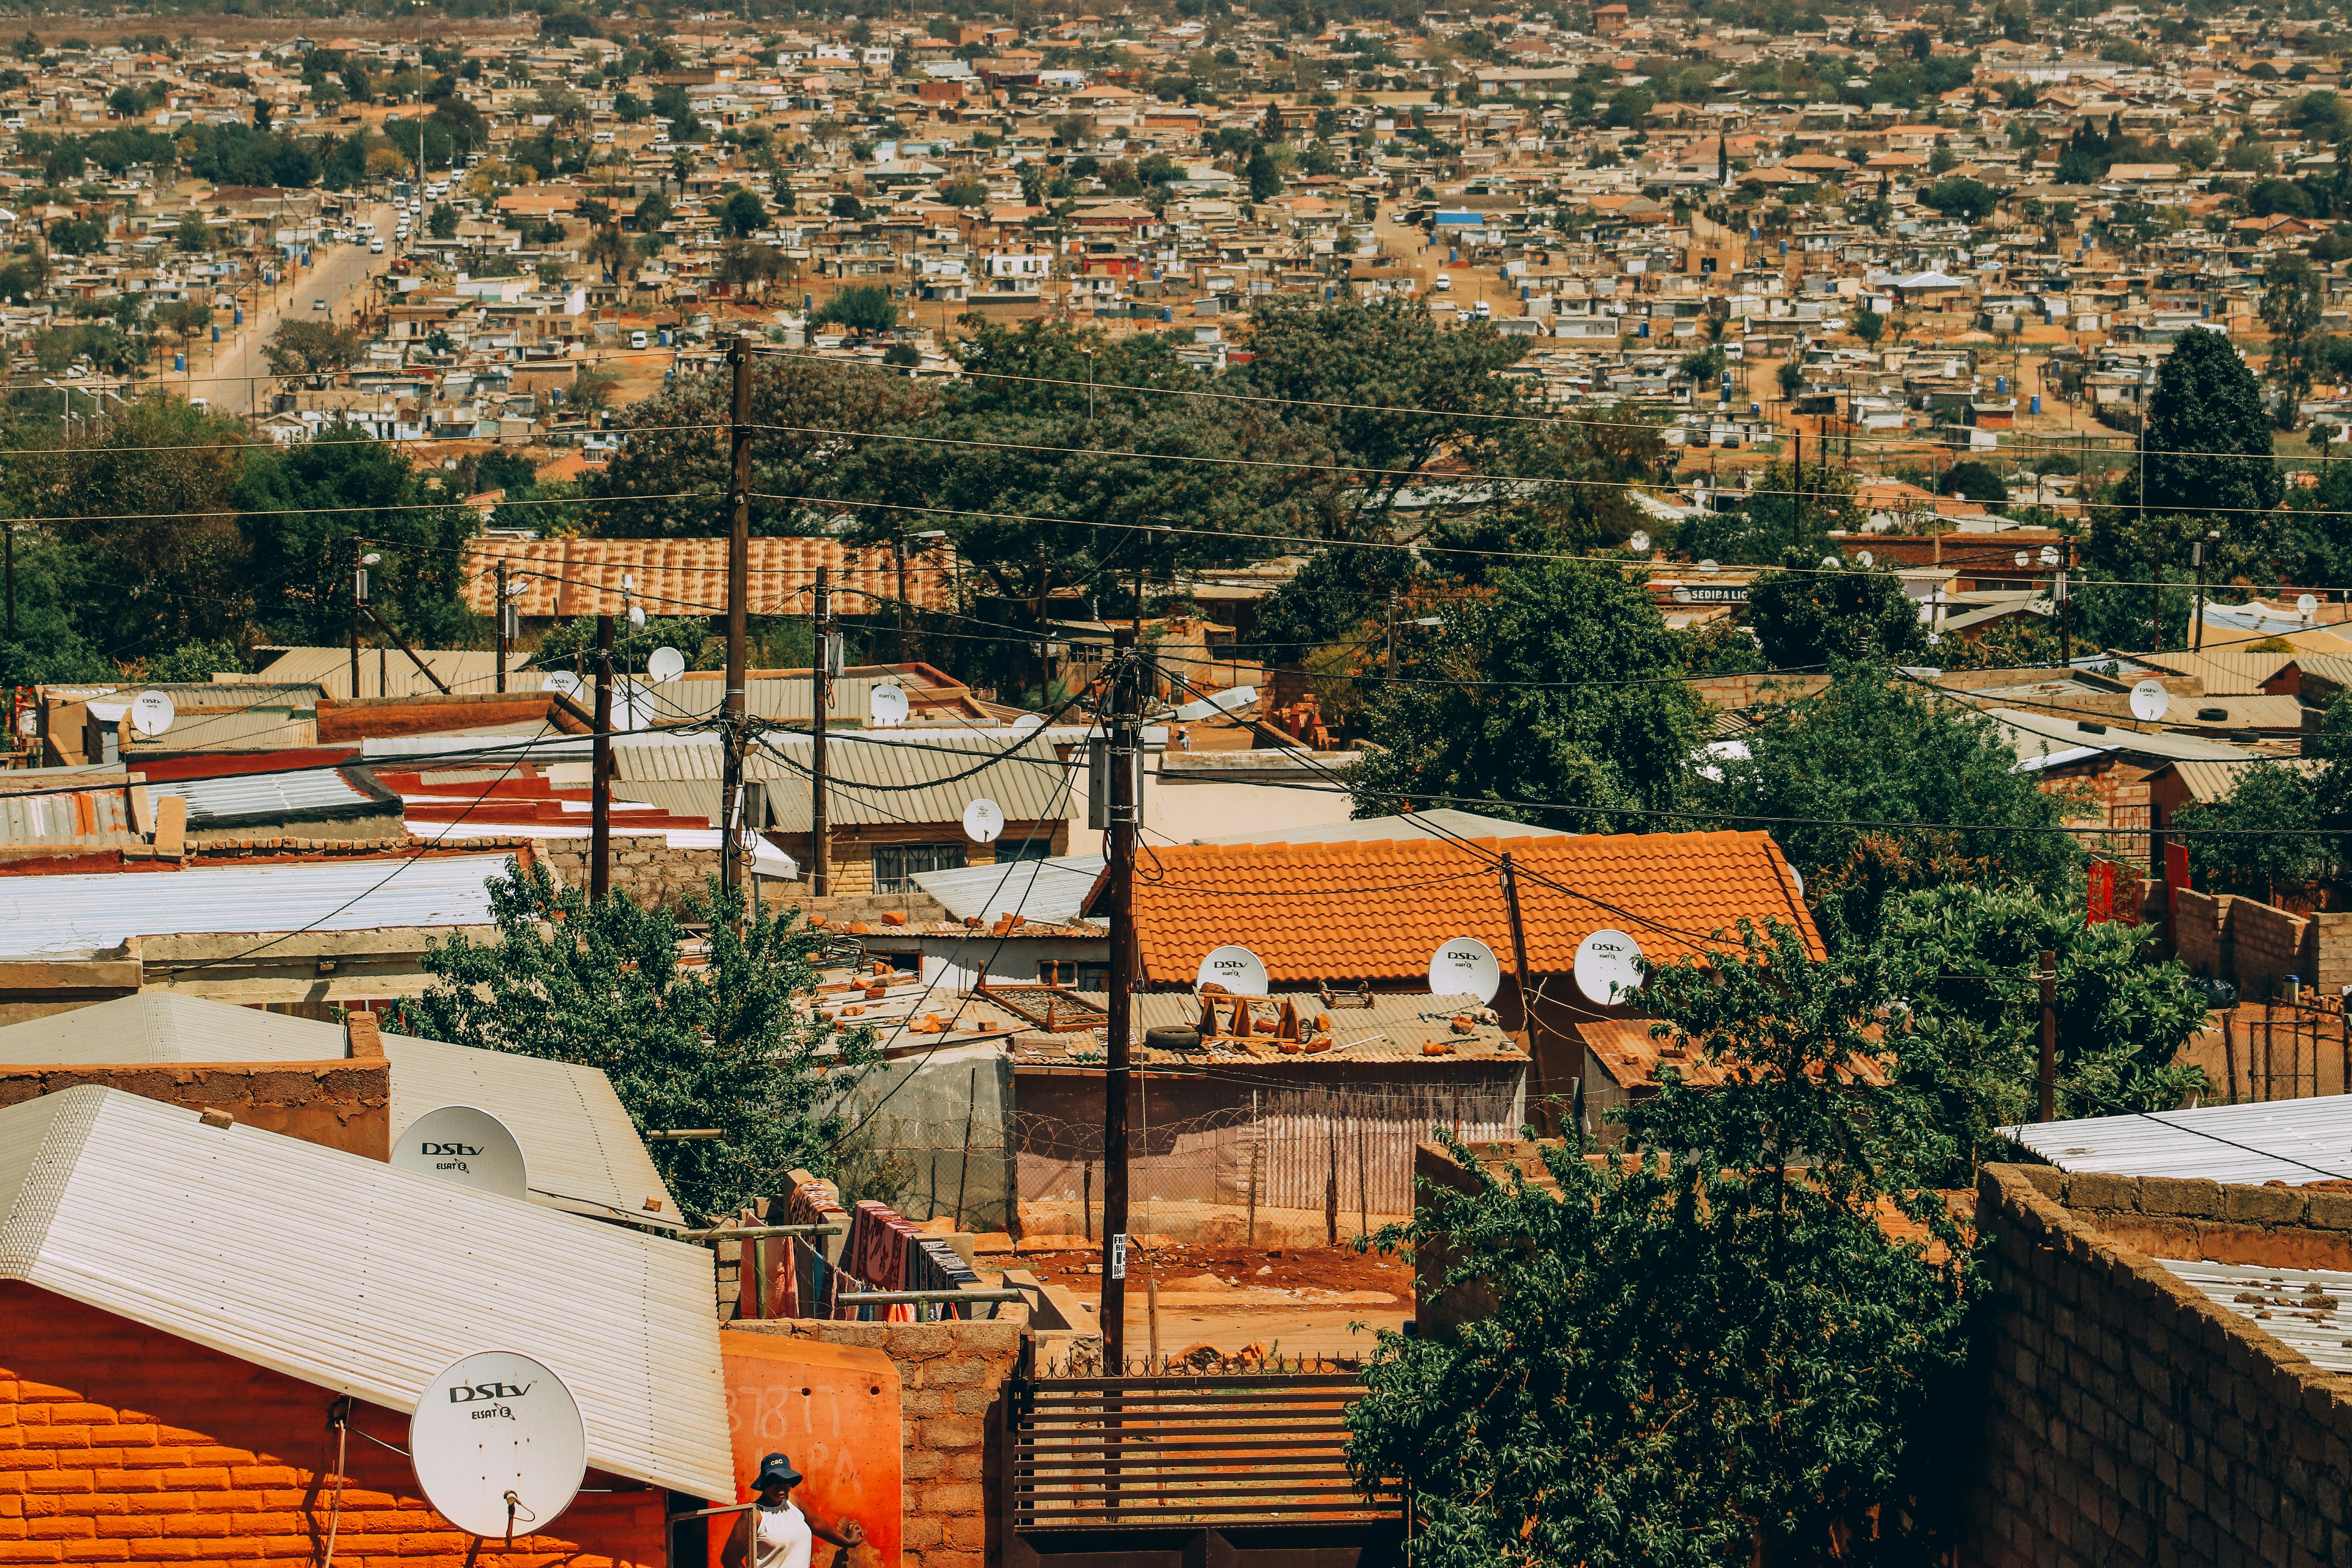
{"x": 122, "y": 1444}
{"x": 2200, "y": 928}
{"x": 2126, "y": 1419}
{"x": 951, "y": 1411}
{"x": 2254, "y": 945}
{"x": 344, "y": 1105}
{"x": 643, "y": 867}
{"x": 2268, "y": 945}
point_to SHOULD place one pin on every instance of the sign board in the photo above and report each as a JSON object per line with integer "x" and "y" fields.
{"x": 467, "y": 1145}
{"x": 1464, "y": 963}
{"x": 496, "y": 1423}
{"x": 983, "y": 819}
{"x": 1238, "y": 969}
{"x": 1118, "y": 1255}
{"x": 1608, "y": 965}
{"x": 835, "y": 1410}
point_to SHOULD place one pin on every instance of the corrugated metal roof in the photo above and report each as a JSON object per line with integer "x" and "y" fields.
{"x": 265, "y": 726}
{"x": 2225, "y": 672}
{"x": 1047, "y": 890}
{"x": 388, "y": 672}
{"x": 76, "y": 913}
{"x": 564, "y": 577}
{"x": 2211, "y": 781}
{"x": 678, "y": 797}
{"x": 312, "y": 793}
{"x": 1442, "y": 823}
{"x": 2310, "y": 1329}
{"x": 165, "y": 1026}
{"x": 582, "y": 1149}
{"x": 348, "y": 1275}
{"x": 92, "y": 818}
{"x": 784, "y": 699}
{"x": 2034, "y": 735}
{"x": 2290, "y": 1140}
{"x": 1028, "y": 783}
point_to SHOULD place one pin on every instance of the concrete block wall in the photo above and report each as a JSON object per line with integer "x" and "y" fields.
{"x": 951, "y": 1415}
{"x": 2126, "y": 1418}
{"x": 2254, "y": 946}
{"x": 2267, "y": 943}
{"x": 2200, "y": 926}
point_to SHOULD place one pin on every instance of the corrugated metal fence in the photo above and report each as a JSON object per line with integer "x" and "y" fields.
{"x": 1288, "y": 1147}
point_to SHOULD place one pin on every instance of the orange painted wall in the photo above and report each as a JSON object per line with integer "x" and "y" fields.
{"x": 120, "y": 1443}
{"x": 835, "y": 1410}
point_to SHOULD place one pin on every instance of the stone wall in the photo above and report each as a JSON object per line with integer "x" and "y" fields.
{"x": 2127, "y": 1418}
{"x": 951, "y": 1412}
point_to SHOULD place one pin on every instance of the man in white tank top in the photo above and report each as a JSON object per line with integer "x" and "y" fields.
{"x": 773, "y": 1534}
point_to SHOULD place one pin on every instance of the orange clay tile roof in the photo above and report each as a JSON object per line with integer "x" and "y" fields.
{"x": 1622, "y": 1049}
{"x": 566, "y": 577}
{"x": 1377, "y": 910}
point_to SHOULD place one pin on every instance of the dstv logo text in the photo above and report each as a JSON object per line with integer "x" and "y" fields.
{"x": 437, "y": 1150}
{"x": 464, "y": 1394}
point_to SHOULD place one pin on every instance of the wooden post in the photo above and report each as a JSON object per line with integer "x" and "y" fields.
{"x": 1332, "y": 1183}
{"x": 2270, "y": 1052}
{"x": 1258, "y": 1142}
{"x": 1086, "y": 1200}
{"x": 1363, "y": 1181}
{"x": 2048, "y": 1098}
{"x": 970, "y": 1104}
{"x": 2229, "y": 1051}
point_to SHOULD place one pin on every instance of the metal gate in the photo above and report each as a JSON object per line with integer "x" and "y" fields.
{"x": 1228, "y": 1467}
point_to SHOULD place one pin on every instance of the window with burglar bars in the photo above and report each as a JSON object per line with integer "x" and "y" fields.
{"x": 896, "y": 865}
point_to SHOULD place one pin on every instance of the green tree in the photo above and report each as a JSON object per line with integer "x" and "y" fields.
{"x": 1977, "y": 481}
{"x": 1805, "y": 617}
{"x": 193, "y": 235}
{"x": 1868, "y": 325}
{"x": 1500, "y": 706}
{"x": 194, "y": 661}
{"x": 1956, "y": 196}
{"x": 863, "y": 308}
{"x": 441, "y": 223}
{"x": 306, "y": 348}
{"x": 2293, "y": 298}
{"x": 1705, "y": 1351}
{"x": 1265, "y": 179}
{"x": 1791, "y": 508}
{"x": 1837, "y": 779}
{"x": 728, "y": 1043}
{"x": 2265, "y": 832}
{"x": 740, "y": 213}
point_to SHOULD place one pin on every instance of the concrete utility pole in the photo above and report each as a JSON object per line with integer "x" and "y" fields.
{"x": 738, "y": 575}
{"x": 358, "y": 597}
{"x": 1112, "y": 1317}
{"x": 506, "y": 612}
{"x": 821, "y": 698}
{"x": 600, "y": 771}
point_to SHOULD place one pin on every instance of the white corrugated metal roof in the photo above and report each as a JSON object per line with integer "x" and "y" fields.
{"x": 1028, "y": 783}
{"x": 361, "y": 1279}
{"x": 271, "y": 797}
{"x": 2290, "y": 1140}
{"x": 166, "y": 1026}
{"x": 1048, "y": 890}
{"x": 388, "y": 672}
{"x": 582, "y": 1149}
{"x": 73, "y": 914}
{"x": 2288, "y": 1300}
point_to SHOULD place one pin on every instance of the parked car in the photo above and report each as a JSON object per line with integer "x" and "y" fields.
{"x": 375, "y": 246}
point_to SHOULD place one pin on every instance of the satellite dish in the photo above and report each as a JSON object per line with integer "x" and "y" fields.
{"x": 492, "y": 1424}
{"x": 635, "y": 709}
{"x": 564, "y": 683}
{"x": 1709, "y": 566}
{"x": 1464, "y": 963}
{"x": 2049, "y": 555}
{"x": 1238, "y": 969}
{"x": 1865, "y": 558}
{"x": 1830, "y": 563}
{"x": 887, "y": 704}
{"x": 1608, "y": 966}
{"x": 465, "y": 1145}
{"x": 2307, "y": 606}
{"x": 151, "y": 713}
{"x": 636, "y": 615}
{"x": 983, "y": 819}
{"x": 665, "y": 664}
{"x": 1640, "y": 542}
{"x": 2149, "y": 700}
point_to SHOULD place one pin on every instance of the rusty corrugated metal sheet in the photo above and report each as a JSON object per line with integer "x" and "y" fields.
{"x": 564, "y": 577}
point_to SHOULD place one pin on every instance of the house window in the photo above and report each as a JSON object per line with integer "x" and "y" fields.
{"x": 895, "y": 865}
{"x": 1040, "y": 847}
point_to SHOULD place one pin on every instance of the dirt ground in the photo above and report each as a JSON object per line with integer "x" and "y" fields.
{"x": 1259, "y": 1301}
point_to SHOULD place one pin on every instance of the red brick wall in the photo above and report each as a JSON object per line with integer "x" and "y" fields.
{"x": 2129, "y": 1420}
{"x": 120, "y": 1443}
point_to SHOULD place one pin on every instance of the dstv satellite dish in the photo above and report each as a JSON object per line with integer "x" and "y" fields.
{"x": 666, "y": 663}
{"x": 2149, "y": 701}
{"x": 887, "y": 704}
{"x": 983, "y": 819}
{"x": 1640, "y": 542}
{"x": 465, "y": 1145}
{"x": 1464, "y": 963}
{"x": 1865, "y": 558}
{"x": 2306, "y": 606}
{"x": 635, "y": 709}
{"x": 564, "y": 683}
{"x": 1830, "y": 563}
{"x": 2049, "y": 555}
{"x": 1608, "y": 965}
{"x": 1238, "y": 969}
{"x": 499, "y": 1445}
{"x": 151, "y": 713}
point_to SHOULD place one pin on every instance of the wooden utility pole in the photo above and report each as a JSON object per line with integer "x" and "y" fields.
{"x": 738, "y": 575}
{"x": 2049, "y": 1077}
{"x": 1120, "y": 874}
{"x": 504, "y": 611}
{"x": 820, "y": 695}
{"x": 358, "y": 597}
{"x": 600, "y": 772}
